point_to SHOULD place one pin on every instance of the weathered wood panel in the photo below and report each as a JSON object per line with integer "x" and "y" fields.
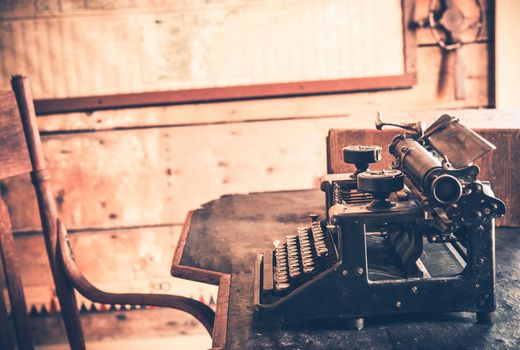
{"x": 432, "y": 91}
{"x": 15, "y": 9}
{"x": 429, "y": 93}
{"x": 500, "y": 167}
{"x": 203, "y": 45}
{"x": 154, "y": 176}
{"x": 14, "y": 157}
{"x": 507, "y": 54}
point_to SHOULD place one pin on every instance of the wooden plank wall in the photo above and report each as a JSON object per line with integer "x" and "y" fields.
{"x": 125, "y": 179}
{"x": 125, "y": 47}
{"x": 507, "y": 54}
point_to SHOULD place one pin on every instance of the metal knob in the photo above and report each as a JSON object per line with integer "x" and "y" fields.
{"x": 361, "y": 156}
{"x": 381, "y": 184}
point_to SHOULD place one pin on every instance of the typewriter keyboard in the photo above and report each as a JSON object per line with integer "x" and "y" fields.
{"x": 301, "y": 256}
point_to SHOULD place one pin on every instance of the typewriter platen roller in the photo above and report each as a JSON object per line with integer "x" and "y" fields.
{"x": 417, "y": 237}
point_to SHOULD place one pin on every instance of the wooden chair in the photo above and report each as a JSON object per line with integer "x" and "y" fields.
{"x": 21, "y": 152}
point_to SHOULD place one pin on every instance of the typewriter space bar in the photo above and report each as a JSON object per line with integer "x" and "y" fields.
{"x": 267, "y": 275}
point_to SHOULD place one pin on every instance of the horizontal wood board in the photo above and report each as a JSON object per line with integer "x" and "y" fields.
{"x": 434, "y": 89}
{"x": 205, "y": 45}
{"x": 430, "y": 92}
{"x": 137, "y": 177}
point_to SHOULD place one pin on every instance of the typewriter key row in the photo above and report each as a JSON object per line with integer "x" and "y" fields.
{"x": 306, "y": 250}
{"x": 319, "y": 239}
{"x": 302, "y": 255}
{"x": 293, "y": 256}
{"x": 282, "y": 275}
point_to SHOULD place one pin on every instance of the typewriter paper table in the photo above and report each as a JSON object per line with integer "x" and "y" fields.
{"x": 219, "y": 244}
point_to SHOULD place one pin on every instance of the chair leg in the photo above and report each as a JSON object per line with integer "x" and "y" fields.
{"x": 48, "y": 211}
{"x": 13, "y": 281}
{"x": 200, "y": 311}
{"x": 6, "y": 342}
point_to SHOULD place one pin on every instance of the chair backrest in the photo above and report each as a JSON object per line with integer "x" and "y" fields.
{"x": 21, "y": 152}
{"x": 14, "y": 156}
{"x": 14, "y": 160}
{"x": 500, "y": 167}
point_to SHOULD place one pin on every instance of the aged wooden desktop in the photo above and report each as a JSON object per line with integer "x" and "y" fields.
{"x": 219, "y": 243}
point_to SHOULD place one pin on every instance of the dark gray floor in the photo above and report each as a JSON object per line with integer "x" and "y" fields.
{"x": 227, "y": 233}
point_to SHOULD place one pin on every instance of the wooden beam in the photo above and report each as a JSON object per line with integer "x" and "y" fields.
{"x": 162, "y": 98}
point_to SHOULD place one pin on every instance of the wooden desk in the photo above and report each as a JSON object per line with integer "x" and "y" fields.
{"x": 219, "y": 244}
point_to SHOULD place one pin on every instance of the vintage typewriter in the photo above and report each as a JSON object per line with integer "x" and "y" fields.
{"x": 416, "y": 238}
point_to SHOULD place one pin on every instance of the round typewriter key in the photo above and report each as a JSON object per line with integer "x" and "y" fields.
{"x": 282, "y": 286}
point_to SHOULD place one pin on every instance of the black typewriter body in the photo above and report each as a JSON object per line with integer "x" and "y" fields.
{"x": 416, "y": 238}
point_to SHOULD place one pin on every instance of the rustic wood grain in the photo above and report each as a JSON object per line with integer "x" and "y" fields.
{"x": 221, "y": 314}
{"x": 205, "y": 95}
{"x": 190, "y": 273}
{"x": 12, "y": 10}
{"x": 155, "y": 176}
{"x": 430, "y": 92}
{"x": 500, "y": 167}
{"x": 14, "y": 158}
{"x": 13, "y": 280}
{"x": 191, "y": 45}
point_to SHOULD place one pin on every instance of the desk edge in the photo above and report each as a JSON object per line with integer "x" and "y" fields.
{"x": 223, "y": 280}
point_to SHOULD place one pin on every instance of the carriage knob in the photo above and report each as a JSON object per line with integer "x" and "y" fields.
{"x": 361, "y": 156}
{"x": 381, "y": 184}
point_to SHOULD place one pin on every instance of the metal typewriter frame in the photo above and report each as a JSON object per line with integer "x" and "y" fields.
{"x": 344, "y": 290}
